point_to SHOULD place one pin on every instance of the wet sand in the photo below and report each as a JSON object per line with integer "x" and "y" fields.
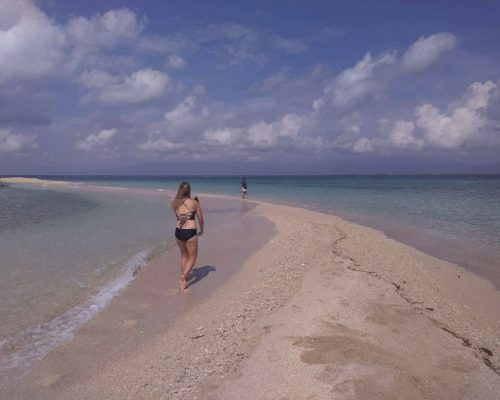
{"x": 151, "y": 303}
{"x": 322, "y": 309}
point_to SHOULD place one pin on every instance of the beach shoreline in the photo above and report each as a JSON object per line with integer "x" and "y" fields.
{"x": 298, "y": 287}
{"x": 476, "y": 256}
{"x": 297, "y": 312}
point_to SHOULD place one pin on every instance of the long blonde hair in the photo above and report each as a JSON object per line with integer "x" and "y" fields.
{"x": 183, "y": 193}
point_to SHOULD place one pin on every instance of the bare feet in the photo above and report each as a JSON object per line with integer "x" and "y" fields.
{"x": 183, "y": 282}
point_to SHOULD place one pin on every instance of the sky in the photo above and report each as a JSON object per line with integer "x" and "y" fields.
{"x": 249, "y": 87}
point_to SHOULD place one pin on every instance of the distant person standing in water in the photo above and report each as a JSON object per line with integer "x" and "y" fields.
{"x": 186, "y": 233}
{"x": 244, "y": 188}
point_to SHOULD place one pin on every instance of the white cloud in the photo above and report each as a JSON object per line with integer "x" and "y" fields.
{"x": 461, "y": 124}
{"x": 98, "y": 79}
{"x": 353, "y": 85}
{"x": 223, "y": 136}
{"x": 161, "y": 145}
{"x": 96, "y": 141}
{"x": 182, "y": 115}
{"x": 448, "y": 131}
{"x": 176, "y": 62}
{"x": 349, "y": 139}
{"x": 141, "y": 86}
{"x": 351, "y": 123}
{"x": 478, "y": 95}
{"x": 31, "y": 45}
{"x": 15, "y": 142}
{"x": 401, "y": 136}
{"x": 91, "y": 40}
{"x": 284, "y": 132}
{"x": 426, "y": 51}
{"x": 362, "y": 145}
{"x": 104, "y": 30}
{"x": 263, "y": 134}
{"x": 187, "y": 113}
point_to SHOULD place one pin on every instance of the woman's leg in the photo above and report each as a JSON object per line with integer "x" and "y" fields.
{"x": 184, "y": 261}
{"x": 192, "y": 250}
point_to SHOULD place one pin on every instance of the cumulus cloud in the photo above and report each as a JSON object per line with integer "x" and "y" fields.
{"x": 98, "y": 79}
{"x": 104, "y": 30}
{"x": 161, "y": 145}
{"x": 355, "y": 84}
{"x": 31, "y": 44}
{"x": 223, "y": 136}
{"x": 188, "y": 112}
{"x": 462, "y": 124}
{"x": 96, "y": 141}
{"x": 141, "y": 86}
{"x": 182, "y": 115}
{"x": 15, "y": 142}
{"x": 401, "y": 136}
{"x": 263, "y": 134}
{"x": 315, "y": 113}
{"x": 451, "y": 130}
{"x": 287, "y": 132}
{"x": 175, "y": 61}
{"x": 362, "y": 145}
{"x": 478, "y": 95}
{"x": 426, "y": 51}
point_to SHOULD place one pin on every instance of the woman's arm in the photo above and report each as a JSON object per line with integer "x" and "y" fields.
{"x": 199, "y": 214}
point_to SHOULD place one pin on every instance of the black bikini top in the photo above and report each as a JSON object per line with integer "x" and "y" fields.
{"x": 183, "y": 217}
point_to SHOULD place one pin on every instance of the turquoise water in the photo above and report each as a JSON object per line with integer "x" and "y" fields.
{"x": 453, "y": 217}
{"x": 66, "y": 252}
{"x": 454, "y": 206}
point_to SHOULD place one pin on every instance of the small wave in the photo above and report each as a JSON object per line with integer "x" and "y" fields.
{"x": 19, "y": 352}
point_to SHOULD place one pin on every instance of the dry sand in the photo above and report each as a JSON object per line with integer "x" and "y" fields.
{"x": 325, "y": 310}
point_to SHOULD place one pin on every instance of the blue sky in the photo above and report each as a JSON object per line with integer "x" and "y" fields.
{"x": 191, "y": 87}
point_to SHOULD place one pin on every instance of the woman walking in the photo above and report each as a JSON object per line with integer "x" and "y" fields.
{"x": 186, "y": 233}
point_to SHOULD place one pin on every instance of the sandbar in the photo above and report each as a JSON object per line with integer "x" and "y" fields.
{"x": 322, "y": 309}
{"x": 34, "y": 181}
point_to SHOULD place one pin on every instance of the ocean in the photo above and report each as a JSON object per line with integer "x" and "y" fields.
{"x": 66, "y": 252}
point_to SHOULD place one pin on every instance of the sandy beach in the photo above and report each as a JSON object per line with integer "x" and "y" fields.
{"x": 320, "y": 308}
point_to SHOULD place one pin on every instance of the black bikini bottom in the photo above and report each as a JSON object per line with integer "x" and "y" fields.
{"x": 185, "y": 234}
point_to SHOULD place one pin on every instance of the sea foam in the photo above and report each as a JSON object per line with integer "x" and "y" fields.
{"x": 19, "y": 352}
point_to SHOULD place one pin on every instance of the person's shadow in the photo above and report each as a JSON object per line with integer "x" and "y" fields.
{"x": 199, "y": 273}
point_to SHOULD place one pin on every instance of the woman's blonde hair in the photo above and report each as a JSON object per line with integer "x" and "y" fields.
{"x": 183, "y": 193}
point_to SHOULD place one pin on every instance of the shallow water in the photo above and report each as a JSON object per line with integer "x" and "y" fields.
{"x": 67, "y": 251}
{"x": 64, "y": 254}
{"x": 70, "y": 252}
{"x": 453, "y": 217}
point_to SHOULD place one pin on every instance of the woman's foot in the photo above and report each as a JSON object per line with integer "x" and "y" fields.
{"x": 183, "y": 282}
